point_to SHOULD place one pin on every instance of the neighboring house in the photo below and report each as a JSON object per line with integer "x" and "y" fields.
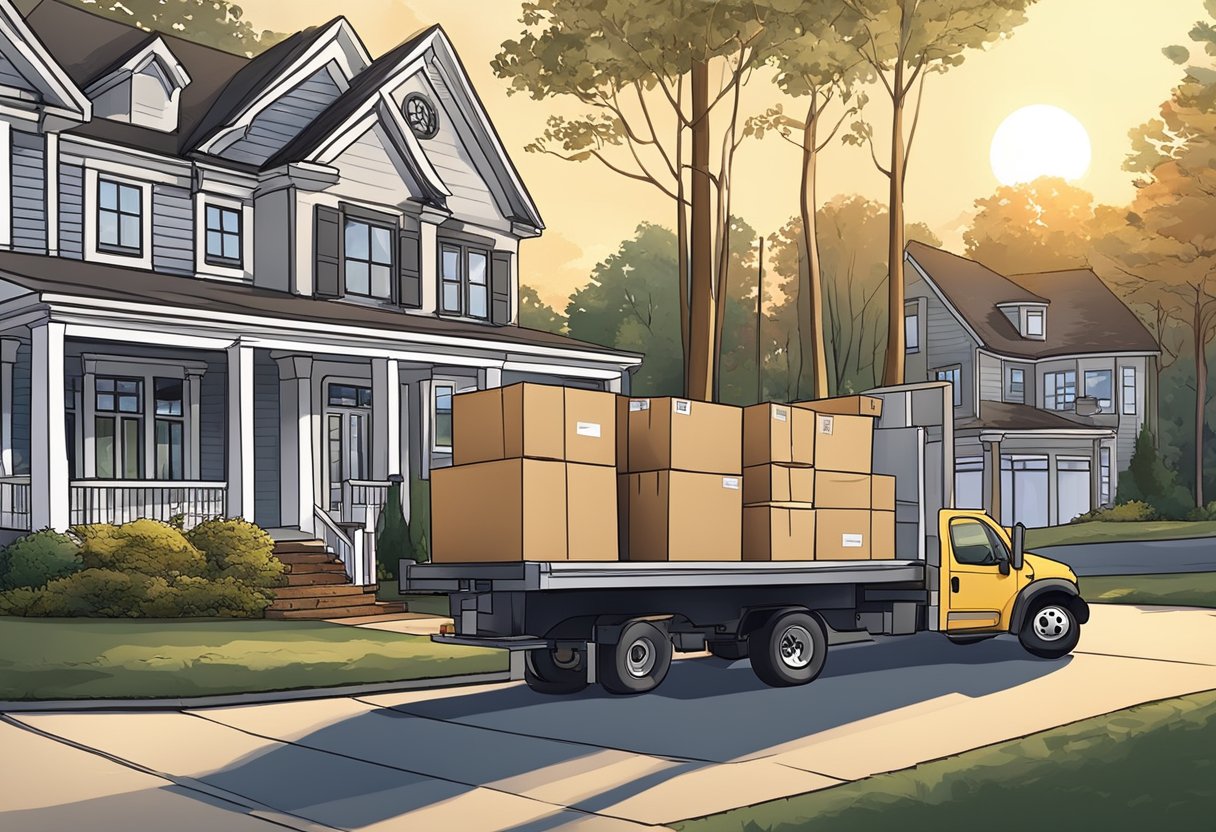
{"x": 249, "y": 287}
{"x": 1053, "y": 378}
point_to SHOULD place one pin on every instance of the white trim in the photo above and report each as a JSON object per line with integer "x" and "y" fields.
{"x": 138, "y": 174}
{"x": 240, "y": 431}
{"x": 91, "y": 251}
{"x": 560, "y": 370}
{"x": 201, "y": 200}
{"x": 49, "y": 496}
{"x": 1080, "y": 432}
{"x": 51, "y": 163}
{"x": 100, "y": 154}
{"x": 1072, "y": 356}
{"x": 941, "y": 297}
{"x": 6, "y": 184}
{"x": 107, "y": 364}
{"x": 155, "y": 50}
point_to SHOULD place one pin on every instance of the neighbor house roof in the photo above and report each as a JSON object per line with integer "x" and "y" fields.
{"x": 1083, "y": 315}
{"x": 44, "y": 275}
{"x": 1011, "y": 416}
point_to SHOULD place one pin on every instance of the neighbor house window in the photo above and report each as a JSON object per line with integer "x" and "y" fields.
{"x": 368, "y": 258}
{"x": 118, "y": 428}
{"x": 1034, "y": 324}
{"x": 223, "y": 236}
{"x": 954, "y": 375}
{"x": 119, "y": 217}
{"x": 1098, "y": 385}
{"x": 911, "y": 332}
{"x": 170, "y": 428}
{"x": 464, "y": 280}
{"x": 1129, "y": 391}
{"x": 1017, "y": 385}
{"x": 1104, "y": 470}
{"x": 442, "y": 423}
{"x": 1060, "y": 390}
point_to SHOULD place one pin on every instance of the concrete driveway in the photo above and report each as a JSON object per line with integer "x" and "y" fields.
{"x": 500, "y": 757}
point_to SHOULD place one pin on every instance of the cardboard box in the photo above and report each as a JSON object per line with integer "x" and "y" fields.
{"x": 882, "y": 492}
{"x": 512, "y": 510}
{"x": 842, "y": 443}
{"x": 776, "y": 532}
{"x": 842, "y": 534}
{"x": 841, "y": 489}
{"x": 848, "y": 405}
{"x": 778, "y": 484}
{"x": 684, "y": 516}
{"x": 684, "y": 435}
{"x": 622, "y": 516}
{"x": 778, "y": 433}
{"x": 882, "y": 535}
{"x": 534, "y": 421}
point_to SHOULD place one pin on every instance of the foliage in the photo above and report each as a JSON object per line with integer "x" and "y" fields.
{"x": 393, "y": 541}
{"x": 534, "y": 313}
{"x": 237, "y": 549}
{"x": 33, "y": 560}
{"x": 1134, "y": 511}
{"x": 145, "y": 546}
{"x": 1147, "y": 481}
{"x": 1205, "y": 514}
{"x": 218, "y": 23}
{"x": 420, "y": 519}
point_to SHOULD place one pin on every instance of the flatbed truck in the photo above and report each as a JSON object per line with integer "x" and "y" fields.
{"x": 956, "y": 572}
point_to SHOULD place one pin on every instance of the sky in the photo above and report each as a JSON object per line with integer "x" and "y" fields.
{"x": 1100, "y": 60}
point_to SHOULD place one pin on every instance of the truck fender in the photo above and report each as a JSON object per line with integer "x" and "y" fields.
{"x": 755, "y": 617}
{"x": 1038, "y": 590}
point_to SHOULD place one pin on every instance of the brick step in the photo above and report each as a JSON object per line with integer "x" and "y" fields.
{"x": 302, "y": 545}
{"x": 318, "y": 602}
{"x": 305, "y": 568}
{"x": 318, "y": 590}
{"x": 378, "y": 608}
{"x": 291, "y": 579}
{"x": 304, "y": 557}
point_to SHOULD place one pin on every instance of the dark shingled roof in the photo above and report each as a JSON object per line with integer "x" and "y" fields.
{"x": 1011, "y": 416}
{"x": 1083, "y": 315}
{"x": 94, "y": 281}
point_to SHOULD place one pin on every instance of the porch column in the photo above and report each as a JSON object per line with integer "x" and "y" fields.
{"x": 1095, "y": 475}
{"x": 297, "y": 494}
{"x": 386, "y": 418}
{"x": 489, "y": 377}
{"x": 194, "y": 384}
{"x": 992, "y": 479}
{"x": 8, "y": 357}
{"x": 240, "y": 431}
{"x": 615, "y": 385}
{"x": 49, "y": 491}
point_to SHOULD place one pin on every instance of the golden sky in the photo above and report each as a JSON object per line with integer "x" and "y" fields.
{"x": 1098, "y": 59}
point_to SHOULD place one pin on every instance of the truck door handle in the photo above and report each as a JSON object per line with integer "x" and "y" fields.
{"x": 954, "y": 583}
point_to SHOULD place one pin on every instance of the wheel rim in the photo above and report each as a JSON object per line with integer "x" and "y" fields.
{"x": 567, "y": 658}
{"x": 1051, "y": 623}
{"x": 796, "y": 648}
{"x": 640, "y": 657}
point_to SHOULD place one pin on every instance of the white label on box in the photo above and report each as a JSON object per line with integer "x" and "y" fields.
{"x": 852, "y": 541}
{"x": 681, "y": 406}
{"x": 588, "y": 429}
{"x": 731, "y": 483}
{"x": 781, "y": 414}
{"x": 825, "y": 426}
{"x": 638, "y": 404}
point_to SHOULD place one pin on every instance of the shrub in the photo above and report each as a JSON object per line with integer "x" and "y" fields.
{"x": 393, "y": 540}
{"x": 100, "y": 592}
{"x": 33, "y": 560}
{"x": 1148, "y": 480}
{"x": 1208, "y": 512}
{"x": 147, "y": 547}
{"x": 239, "y": 550}
{"x": 1133, "y": 511}
{"x": 194, "y": 597}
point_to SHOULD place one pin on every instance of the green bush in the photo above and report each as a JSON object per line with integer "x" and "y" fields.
{"x": 147, "y": 547}
{"x": 1133, "y": 511}
{"x": 1208, "y": 512}
{"x": 1148, "y": 480}
{"x": 106, "y": 593}
{"x": 33, "y": 560}
{"x": 195, "y": 597}
{"x": 239, "y": 550}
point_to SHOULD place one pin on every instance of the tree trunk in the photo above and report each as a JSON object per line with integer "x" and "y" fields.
{"x": 813, "y": 378}
{"x": 701, "y": 312}
{"x": 1201, "y": 394}
{"x": 893, "y": 365}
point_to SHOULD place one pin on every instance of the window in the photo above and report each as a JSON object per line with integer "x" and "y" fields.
{"x": 975, "y": 544}
{"x": 1060, "y": 390}
{"x": 119, "y": 217}
{"x": 118, "y": 428}
{"x": 911, "y": 331}
{"x": 479, "y": 289}
{"x": 1098, "y": 385}
{"x": 1017, "y": 385}
{"x": 368, "y": 259}
{"x": 223, "y": 236}
{"x": 464, "y": 274}
{"x": 954, "y": 375}
{"x": 170, "y": 426}
{"x": 346, "y": 437}
{"x": 442, "y": 427}
{"x": 1034, "y": 323}
{"x": 1104, "y": 475}
{"x": 449, "y": 274}
{"x": 348, "y": 395}
{"x": 1129, "y": 391}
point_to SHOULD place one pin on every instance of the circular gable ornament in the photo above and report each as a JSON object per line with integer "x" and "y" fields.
{"x": 420, "y": 115}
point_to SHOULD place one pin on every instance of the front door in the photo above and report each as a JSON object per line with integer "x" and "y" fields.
{"x": 977, "y": 579}
{"x": 347, "y": 422}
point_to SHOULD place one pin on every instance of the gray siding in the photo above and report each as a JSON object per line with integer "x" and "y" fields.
{"x": 369, "y": 171}
{"x": 945, "y": 342}
{"x": 71, "y": 211}
{"x": 21, "y": 408}
{"x": 279, "y": 123}
{"x": 266, "y": 508}
{"x": 990, "y": 371}
{"x": 213, "y": 418}
{"x": 10, "y": 77}
{"x": 29, "y": 192}
{"x": 172, "y": 229}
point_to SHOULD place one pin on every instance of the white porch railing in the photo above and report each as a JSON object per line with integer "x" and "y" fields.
{"x": 356, "y": 550}
{"x": 362, "y": 499}
{"x": 15, "y": 503}
{"x": 121, "y": 501}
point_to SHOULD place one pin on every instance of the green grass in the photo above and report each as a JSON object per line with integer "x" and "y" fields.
{"x": 86, "y": 658}
{"x": 429, "y": 604}
{"x": 1101, "y": 531}
{"x": 1184, "y": 589}
{"x": 1148, "y": 767}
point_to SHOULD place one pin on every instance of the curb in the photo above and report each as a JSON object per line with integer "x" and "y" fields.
{"x": 260, "y": 698}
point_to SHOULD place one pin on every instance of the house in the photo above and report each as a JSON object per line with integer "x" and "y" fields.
{"x": 1053, "y": 379}
{"x": 249, "y": 287}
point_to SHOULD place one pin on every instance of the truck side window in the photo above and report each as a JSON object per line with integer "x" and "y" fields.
{"x": 973, "y": 543}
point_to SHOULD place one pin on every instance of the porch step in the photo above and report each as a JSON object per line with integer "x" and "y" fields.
{"x": 358, "y": 598}
{"x": 289, "y": 547}
{"x": 315, "y": 579}
{"x": 315, "y": 586}
{"x": 305, "y": 557}
{"x": 318, "y": 590}
{"x": 374, "y": 608}
{"x": 292, "y": 568}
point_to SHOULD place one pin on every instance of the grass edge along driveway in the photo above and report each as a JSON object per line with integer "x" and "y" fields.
{"x": 1105, "y": 531}
{"x": 1177, "y": 589}
{"x": 1131, "y": 769}
{"x": 95, "y": 658}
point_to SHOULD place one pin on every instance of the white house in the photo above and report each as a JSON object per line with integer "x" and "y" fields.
{"x": 248, "y": 287}
{"x": 1053, "y": 379}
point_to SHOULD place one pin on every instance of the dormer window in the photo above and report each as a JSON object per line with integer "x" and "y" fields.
{"x": 1034, "y": 323}
{"x": 144, "y": 90}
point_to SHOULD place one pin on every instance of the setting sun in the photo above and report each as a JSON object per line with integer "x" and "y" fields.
{"x": 1039, "y": 140}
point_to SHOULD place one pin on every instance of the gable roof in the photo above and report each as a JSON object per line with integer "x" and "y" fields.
{"x": 57, "y": 85}
{"x": 1083, "y": 316}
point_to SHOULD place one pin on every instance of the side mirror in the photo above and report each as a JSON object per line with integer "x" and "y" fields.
{"x": 1019, "y": 546}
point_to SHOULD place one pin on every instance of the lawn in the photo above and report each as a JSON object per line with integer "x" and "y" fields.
{"x": 86, "y": 658}
{"x": 1105, "y": 531}
{"x": 1184, "y": 589}
{"x": 1148, "y": 767}
{"x": 429, "y": 604}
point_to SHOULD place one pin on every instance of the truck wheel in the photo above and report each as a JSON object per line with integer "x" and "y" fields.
{"x": 638, "y": 662}
{"x": 789, "y": 649}
{"x": 1050, "y": 631}
{"x": 557, "y": 671}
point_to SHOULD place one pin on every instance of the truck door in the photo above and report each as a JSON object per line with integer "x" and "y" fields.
{"x": 977, "y": 580}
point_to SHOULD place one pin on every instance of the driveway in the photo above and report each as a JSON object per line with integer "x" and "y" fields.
{"x": 1196, "y": 554}
{"x": 499, "y": 757}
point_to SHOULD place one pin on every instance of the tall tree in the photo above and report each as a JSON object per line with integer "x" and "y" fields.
{"x": 534, "y": 313}
{"x": 218, "y": 23}
{"x": 903, "y": 42}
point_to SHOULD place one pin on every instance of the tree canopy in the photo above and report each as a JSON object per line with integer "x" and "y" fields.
{"x": 218, "y": 23}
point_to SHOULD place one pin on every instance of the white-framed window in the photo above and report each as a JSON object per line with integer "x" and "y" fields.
{"x": 169, "y": 398}
{"x": 348, "y": 414}
{"x": 911, "y": 330}
{"x": 464, "y": 279}
{"x": 223, "y": 243}
{"x": 441, "y": 416}
{"x": 1099, "y": 385}
{"x": 367, "y": 255}
{"x": 223, "y": 240}
{"x": 1104, "y": 473}
{"x": 1060, "y": 390}
{"x": 117, "y": 219}
{"x": 1128, "y": 391}
{"x": 118, "y": 428}
{"x": 1035, "y": 323}
{"x": 1017, "y": 385}
{"x": 954, "y": 375}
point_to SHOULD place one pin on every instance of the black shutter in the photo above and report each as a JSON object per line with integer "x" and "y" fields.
{"x": 327, "y": 244}
{"x": 409, "y": 269}
{"x": 500, "y": 288}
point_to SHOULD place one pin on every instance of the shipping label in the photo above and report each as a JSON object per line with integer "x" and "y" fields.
{"x": 731, "y": 483}
{"x": 638, "y": 404}
{"x": 781, "y": 414}
{"x": 588, "y": 429}
{"x": 681, "y": 406}
{"x": 826, "y": 423}
{"x": 852, "y": 541}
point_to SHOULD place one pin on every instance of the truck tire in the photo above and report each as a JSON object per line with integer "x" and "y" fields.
{"x": 556, "y": 671}
{"x": 638, "y": 662}
{"x": 1051, "y": 630}
{"x": 789, "y": 649}
{"x": 970, "y": 639}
